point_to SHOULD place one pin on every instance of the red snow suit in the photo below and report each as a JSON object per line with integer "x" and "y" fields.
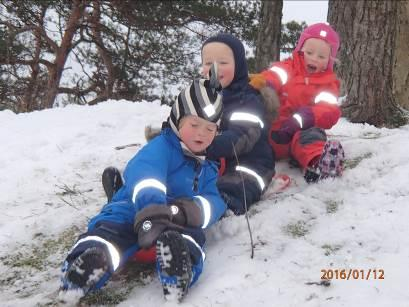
{"x": 297, "y": 88}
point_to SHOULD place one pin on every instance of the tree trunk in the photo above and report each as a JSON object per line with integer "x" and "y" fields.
{"x": 401, "y": 63}
{"x": 29, "y": 102}
{"x": 268, "y": 39}
{"x": 104, "y": 54}
{"x": 61, "y": 53}
{"x": 368, "y": 31}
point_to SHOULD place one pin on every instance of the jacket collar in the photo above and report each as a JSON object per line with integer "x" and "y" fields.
{"x": 175, "y": 141}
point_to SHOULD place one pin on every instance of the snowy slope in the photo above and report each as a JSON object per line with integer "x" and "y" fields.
{"x": 51, "y": 162}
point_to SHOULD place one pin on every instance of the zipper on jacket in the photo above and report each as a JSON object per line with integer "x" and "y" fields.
{"x": 198, "y": 171}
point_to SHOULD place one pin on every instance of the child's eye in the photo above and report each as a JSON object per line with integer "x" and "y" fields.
{"x": 211, "y": 128}
{"x": 194, "y": 125}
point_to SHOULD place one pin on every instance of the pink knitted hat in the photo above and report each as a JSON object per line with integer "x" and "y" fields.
{"x": 322, "y": 31}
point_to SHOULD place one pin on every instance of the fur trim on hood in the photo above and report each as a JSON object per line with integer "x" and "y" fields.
{"x": 151, "y": 132}
{"x": 271, "y": 102}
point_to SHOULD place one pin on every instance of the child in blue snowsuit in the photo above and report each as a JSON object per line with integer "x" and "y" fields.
{"x": 168, "y": 198}
{"x": 242, "y": 146}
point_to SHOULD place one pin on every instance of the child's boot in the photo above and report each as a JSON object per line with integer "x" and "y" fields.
{"x": 174, "y": 265}
{"x": 111, "y": 181}
{"x": 329, "y": 164}
{"x": 88, "y": 272}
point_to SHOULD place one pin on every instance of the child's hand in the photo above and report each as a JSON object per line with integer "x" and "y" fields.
{"x": 151, "y": 221}
{"x": 192, "y": 214}
{"x": 257, "y": 81}
{"x": 286, "y": 132}
{"x": 301, "y": 120}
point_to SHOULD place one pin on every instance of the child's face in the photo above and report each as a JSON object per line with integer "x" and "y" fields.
{"x": 316, "y": 55}
{"x": 197, "y": 133}
{"x": 223, "y": 56}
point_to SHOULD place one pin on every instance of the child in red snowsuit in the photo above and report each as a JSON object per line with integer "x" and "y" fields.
{"x": 308, "y": 90}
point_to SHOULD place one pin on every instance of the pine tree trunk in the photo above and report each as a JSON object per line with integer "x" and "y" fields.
{"x": 96, "y": 29}
{"x": 401, "y": 63}
{"x": 61, "y": 53}
{"x": 268, "y": 39}
{"x": 29, "y": 102}
{"x": 368, "y": 31}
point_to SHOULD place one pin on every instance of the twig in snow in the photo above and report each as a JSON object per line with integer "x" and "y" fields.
{"x": 128, "y": 145}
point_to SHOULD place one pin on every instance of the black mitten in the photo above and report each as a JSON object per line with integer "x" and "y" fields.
{"x": 151, "y": 221}
{"x": 190, "y": 211}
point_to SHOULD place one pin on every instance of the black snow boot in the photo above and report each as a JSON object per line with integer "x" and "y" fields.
{"x": 111, "y": 181}
{"x": 88, "y": 272}
{"x": 174, "y": 265}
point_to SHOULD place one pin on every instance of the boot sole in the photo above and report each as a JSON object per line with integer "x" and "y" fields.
{"x": 174, "y": 260}
{"x": 87, "y": 270}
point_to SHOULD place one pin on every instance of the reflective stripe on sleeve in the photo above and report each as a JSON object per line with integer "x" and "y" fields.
{"x": 147, "y": 183}
{"x": 206, "y": 210}
{"x": 327, "y": 97}
{"x": 252, "y": 173}
{"x": 113, "y": 252}
{"x": 247, "y": 117}
{"x": 282, "y": 74}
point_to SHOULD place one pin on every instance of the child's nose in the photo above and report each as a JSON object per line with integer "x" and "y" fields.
{"x": 201, "y": 131}
{"x": 314, "y": 58}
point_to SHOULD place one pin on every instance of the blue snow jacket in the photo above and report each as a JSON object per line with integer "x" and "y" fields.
{"x": 159, "y": 173}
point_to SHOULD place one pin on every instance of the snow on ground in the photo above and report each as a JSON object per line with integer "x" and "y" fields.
{"x": 51, "y": 162}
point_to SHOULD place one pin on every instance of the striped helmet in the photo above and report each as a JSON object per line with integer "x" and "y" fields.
{"x": 201, "y": 98}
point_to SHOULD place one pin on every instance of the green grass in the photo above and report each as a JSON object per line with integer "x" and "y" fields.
{"x": 296, "y": 230}
{"x": 332, "y": 206}
{"x": 36, "y": 255}
{"x": 352, "y": 163}
{"x": 331, "y": 249}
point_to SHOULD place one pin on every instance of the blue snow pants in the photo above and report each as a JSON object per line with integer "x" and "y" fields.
{"x": 123, "y": 238}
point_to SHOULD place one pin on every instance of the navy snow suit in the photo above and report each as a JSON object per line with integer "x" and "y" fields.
{"x": 244, "y": 131}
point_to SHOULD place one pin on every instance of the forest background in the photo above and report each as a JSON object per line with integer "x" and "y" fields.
{"x": 59, "y": 52}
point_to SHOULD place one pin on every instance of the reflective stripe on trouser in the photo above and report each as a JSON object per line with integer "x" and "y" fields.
{"x": 121, "y": 236}
{"x": 304, "y": 146}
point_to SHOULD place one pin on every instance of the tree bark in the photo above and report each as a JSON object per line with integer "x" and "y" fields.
{"x": 61, "y": 53}
{"x": 268, "y": 39}
{"x": 401, "y": 63}
{"x": 104, "y": 54}
{"x": 368, "y": 32}
{"x": 29, "y": 102}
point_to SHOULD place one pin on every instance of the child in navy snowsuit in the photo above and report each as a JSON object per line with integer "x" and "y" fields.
{"x": 242, "y": 146}
{"x": 168, "y": 198}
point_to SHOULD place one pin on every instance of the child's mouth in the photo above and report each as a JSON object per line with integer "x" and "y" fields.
{"x": 311, "y": 68}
